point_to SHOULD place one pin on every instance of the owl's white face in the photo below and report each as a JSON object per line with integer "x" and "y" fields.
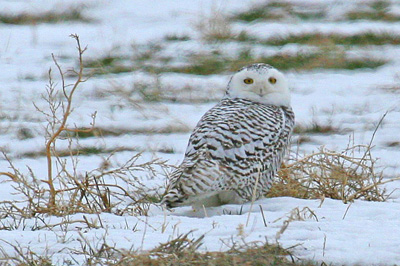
{"x": 260, "y": 83}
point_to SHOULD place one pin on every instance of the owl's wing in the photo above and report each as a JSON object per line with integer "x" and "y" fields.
{"x": 234, "y": 132}
{"x": 230, "y": 143}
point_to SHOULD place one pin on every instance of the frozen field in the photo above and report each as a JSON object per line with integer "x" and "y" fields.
{"x": 158, "y": 122}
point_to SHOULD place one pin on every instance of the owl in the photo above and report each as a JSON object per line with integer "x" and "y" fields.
{"x": 237, "y": 146}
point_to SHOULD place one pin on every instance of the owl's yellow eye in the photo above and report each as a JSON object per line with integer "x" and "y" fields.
{"x": 248, "y": 81}
{"x": 272, "y": 80}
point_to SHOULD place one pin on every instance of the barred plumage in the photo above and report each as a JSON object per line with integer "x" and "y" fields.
{"x": 237, "y": 144}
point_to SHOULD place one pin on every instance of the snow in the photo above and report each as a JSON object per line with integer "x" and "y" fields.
{"x": 354, "y": 101}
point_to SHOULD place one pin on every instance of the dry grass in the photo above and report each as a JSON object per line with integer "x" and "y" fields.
{"x": 279, "y": 10}
{"x": 216, "y": 62}
{"x": 87, "y": 150}
{"x": 316, "y": 128}
{"x": 376, "y": 10}
{"x": 393, "y": 144}
{"x": 108, "y": 188}
{"x": 100, "y": 132}
{"x": 152, "y": 58}
{"x": 23, "y": 257}
{"x": 176, "y": 37}
{"x": 346, "y": 175}
{"x": 214, "y": 26}
{"x": 108, "y": 64}
{"x": 93, "y": 150}
{"x": 183, "y": 251}
{"x": 318, "y": 39}
{"x": 152, "y": 93}
{"x": 64, "y": 190}
{"x": 70, "y": 14}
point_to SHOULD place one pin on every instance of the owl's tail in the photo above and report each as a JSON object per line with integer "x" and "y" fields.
{"x": 173, "y": 196}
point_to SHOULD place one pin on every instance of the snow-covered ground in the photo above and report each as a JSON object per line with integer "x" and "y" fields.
{"x": 364, "y": 233}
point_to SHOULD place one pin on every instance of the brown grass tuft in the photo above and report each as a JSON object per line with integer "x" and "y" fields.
{"x": 183, "y": 251}
{"x": 52, "y": 16}
{"x": 316, "y": 128}
{"x": 346, "y": 175}
{"x": 214, "y": 26}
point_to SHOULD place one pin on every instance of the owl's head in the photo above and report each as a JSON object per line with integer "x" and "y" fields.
{"x": 259, "y": 83}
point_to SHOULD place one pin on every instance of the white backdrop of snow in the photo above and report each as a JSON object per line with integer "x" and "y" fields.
{"x": 369, "y": 233}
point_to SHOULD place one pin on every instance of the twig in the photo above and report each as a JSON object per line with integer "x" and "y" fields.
{"x": 362, "y": 190}
{"x": 262, "y": 213}
{"x": 371, "y": 140}
{"x": 51, "y": 141}
{"x": 13, "y": 177}
{"x": 347, "y": 209}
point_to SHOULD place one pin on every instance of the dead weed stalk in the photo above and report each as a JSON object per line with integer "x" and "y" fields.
{"x": 214, "y": 26}
{"x": 65, "y": 190}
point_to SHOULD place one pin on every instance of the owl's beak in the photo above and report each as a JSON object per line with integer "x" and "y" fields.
{"x": 260, "y": 89}
{"x": 261, "y": 92}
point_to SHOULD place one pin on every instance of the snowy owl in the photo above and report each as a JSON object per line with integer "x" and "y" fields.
{"x": 237, "y": 146}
